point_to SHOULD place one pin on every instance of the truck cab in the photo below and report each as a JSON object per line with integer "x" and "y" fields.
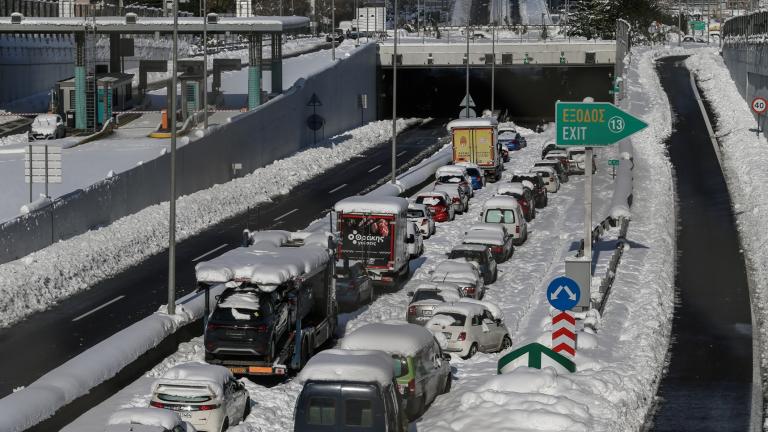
{"x": 475, "y": 140}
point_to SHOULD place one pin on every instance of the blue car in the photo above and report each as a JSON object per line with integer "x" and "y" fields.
{"x": 511, "y": 139}
{"x": 475, "y": 175}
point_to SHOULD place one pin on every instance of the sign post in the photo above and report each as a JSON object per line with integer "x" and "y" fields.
{"x": 759, "y": 106}
{"x": 564, "y": 294}
{"x": 613, "y": 163}
{"x": 592, "y": 124}
{"x": 42, "y": 164}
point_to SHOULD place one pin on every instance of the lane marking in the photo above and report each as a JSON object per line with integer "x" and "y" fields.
{"x": 289, "y": 213}
{"x": 337, "y": 188}
{"x": 210, "y": 252}
{"x": 402, "y": 153}
{"x": 98, "y": 308}
{"x": 374, "y": 168}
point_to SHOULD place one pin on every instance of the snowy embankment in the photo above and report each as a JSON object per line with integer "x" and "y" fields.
{"x": 14, "y": 139}
{"x": 742, "y": 155}
{"x": 41, "y": 279}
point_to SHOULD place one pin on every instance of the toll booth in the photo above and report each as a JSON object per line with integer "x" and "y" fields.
{"x": 114, "y": 92}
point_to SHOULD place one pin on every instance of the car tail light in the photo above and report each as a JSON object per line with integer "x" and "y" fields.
{"x": 157, "y": 404}
{"x": 412, "y": 310}
{"x": 412, "y": 386}
{"x": 462, "y": 336}
{"x": 205, "y": 407}
{"x": 497, "y": 249}
{"x": 456, "y": 199}
{"x": 469, "y": 290}
{"x": 211, "y": 327}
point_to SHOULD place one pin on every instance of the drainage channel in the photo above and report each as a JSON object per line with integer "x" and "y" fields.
{"x": 708, "y": 383}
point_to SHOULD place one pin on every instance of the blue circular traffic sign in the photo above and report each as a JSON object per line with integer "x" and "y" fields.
{"x": 563, "y": 293}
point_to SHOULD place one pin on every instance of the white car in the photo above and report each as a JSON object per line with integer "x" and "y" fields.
{"x": 455, "y": 174}
{"x": 415, "y": 241}
{"x": 47, "y": 127}
{"x": 493, "y": 235}
{"x": 505, "y": 210}
{"x": 422, "y": 217}
{"x": 463, "y": 273}
{"x": 426, "y": 296}
{"x": 549, "y": 175}
{"x": 204, "y": 395}
{"x": 147, "y": 420}
{"x": 470, "y": 326}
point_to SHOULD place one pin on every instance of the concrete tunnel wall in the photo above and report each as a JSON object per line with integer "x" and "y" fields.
{"x": 255, "y": 139}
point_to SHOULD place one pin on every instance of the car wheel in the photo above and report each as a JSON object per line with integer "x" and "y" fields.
{"x": 247, "y": 408}
{"x": 506, "y": 342}
{"x": 472, "y": 351}
{"x": 370, "y": 296}
{"x": 496, "y": 275}
{"x": 225, "y": 425}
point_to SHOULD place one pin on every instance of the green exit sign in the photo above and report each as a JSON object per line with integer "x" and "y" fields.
{"x": 613, "y": 162}
{"x": 593, "y": 124}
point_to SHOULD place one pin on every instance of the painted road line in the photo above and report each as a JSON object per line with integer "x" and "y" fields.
{"x": 374, "y": 168}
{"x": 337, "y": 188}
{"x": 286, "y": 214}
{"x": 402, "y": 153}
{"x": 98, "y": 308}
{"x": 210, "y": 252}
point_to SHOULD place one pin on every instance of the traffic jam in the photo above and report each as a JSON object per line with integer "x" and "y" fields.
{"x": 290, "y": 295}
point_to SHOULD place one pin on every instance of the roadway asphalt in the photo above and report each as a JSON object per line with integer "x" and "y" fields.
{"x": 47, "y": 339}
{"x": 708, "y": 383}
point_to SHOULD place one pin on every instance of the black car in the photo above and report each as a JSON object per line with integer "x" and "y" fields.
{"x": 353, "y": 286}
{"x": 547, "y": 148}
{"x": 480, "y": 254}
{"x": 339, "y": 36}
{"x": 539, "y": 188}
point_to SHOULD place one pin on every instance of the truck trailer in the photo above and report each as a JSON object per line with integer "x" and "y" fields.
{"x": 475, "y": 140}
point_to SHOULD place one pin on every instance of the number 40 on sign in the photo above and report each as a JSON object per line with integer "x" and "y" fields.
{"x": 759, "y": 107}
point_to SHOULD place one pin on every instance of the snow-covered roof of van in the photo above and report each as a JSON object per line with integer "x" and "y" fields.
{"x": 484, "y": 237}
{"x": 195, "y": 374}
{"x": 399, "y": 338}
{"x": 501, "y": 202}
{"x": 347, "y": 365}
{"x": 365, "y": 204}
{"x": 473, "y": 122}
{"x": 159, "y": 418}
{"x": 266, "y": 267}
{"x": 510, "y": 188}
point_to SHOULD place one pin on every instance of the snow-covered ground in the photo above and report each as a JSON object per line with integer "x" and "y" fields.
{"x": 41, "y": 279}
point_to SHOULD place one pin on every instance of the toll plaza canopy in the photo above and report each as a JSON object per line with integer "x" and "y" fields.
{"x": 151, "y": 25}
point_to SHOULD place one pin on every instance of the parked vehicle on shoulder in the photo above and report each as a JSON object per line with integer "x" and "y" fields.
{"x": 522, "y": 194}
{"x": 548, "y": 148}
{"x": 505, "y": 210}
{"x": 426, "y": 296}
{"x": 474, "y": 140}
{"x": 414, "y": 241}
{"x": 475, "y": 174}
{"x": 463, "y": 273}
{"x": 365, "y": 398}
{"x": 557, "y": 165}
{"x": 538, "y": 187}
{"x": 422, "y": 370}
{"x": 509, "y": 137}
{"x": 207, "y": 396}
{"x": 147, "y": 420}
{"x": 482, "y": 255}
{"x": 549, "y": 175}
{"x": 577, "y": 158}
{"x": 459, "y": 198}
{"x": 495, "y": 236}
{"x": 421, "y": 215}
{"x": 353, "y": 286}
{"x": 470, "y": 327}
{"x": 439, "y": 203}
{"x": 455, "y": 174}
{"x": 47, "y": 127}
{"x": 337, "y": 35}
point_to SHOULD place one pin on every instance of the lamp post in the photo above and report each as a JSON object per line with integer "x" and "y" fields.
{"x": 394, "y": 103}
{"x": 172, "y": 200}
{"x": 493, "y": 67}
{"x": 205, "y": 65}
{"x": 333, "y": 30}
{"x": 467, "y": 61}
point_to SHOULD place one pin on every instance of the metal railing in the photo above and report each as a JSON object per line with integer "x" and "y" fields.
{"x": 746, "y": 28}
{"x": 48, "y": 9}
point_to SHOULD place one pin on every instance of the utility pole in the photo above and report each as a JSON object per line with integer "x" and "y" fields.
{"x": 467, "y": 88}
{"x": 394, "y": 101}
{"x": 205, "y": 65}
{"x": 493, "y": 68}
{"x": 357, "y": 25}
{"x": 333, "y": 30}
{"x": 172, "y": 200}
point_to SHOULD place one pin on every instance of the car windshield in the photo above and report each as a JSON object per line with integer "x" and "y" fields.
{"x": 500, "y": 216}
{"x": 458, "y": 319}
{"x": 468, "y": 254}
{"x": 427, "y": 295}
{"x": 415, "y": 213}
{"x": 449, "y": 179}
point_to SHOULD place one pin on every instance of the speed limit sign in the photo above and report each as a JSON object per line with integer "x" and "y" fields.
{"x": 759, "y": 105}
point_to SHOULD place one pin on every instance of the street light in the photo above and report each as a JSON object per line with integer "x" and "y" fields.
{"x": 333, "y": 30}
{"x": 467, "y": 97}
{"x": 205, "y": 65}
{"x": 394, "y": 102}
{"x": 172, "y": 201}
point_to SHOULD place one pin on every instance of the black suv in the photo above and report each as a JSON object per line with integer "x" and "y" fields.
{"x": 539, "y": 188}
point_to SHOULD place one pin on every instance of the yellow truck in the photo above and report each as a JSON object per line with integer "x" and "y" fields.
{"x": 475, "y": 140}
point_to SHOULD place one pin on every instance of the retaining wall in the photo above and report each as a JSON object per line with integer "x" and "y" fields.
{"x": 255, "y": 139}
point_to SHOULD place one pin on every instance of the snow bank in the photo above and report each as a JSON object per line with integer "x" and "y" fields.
{"x": 41, "y": 279}
{"x": 14, "y": 139}
{"x": 345, "y": 365}
{"x": 416, "y": 175}
{"x": 146, "y": 416}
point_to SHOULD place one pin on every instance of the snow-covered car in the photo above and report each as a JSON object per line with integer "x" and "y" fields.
{"x": 353, "y": 286}
{"x": 459, "y": 198}
{"x": 548, "y": 148}
{"x": 509, "y": 138}
{"x": 495, "y": 236}
{"x": 455, "y": 174}
{"x": 414, "y": 240}
{"x": 422, "y": 217}
{"x": 426, "y": 296}
{"x": 147, "y": 420}
{"x": 537, "y": 185}
{"x": 577, "y": 159}
{"x": 505, "y": 210}
{"x": 364, "y": 398}
{"x": 480, "y": 254}
{"x": 439, "y": 203}
{"x": 522, "y": 194}
{"x": 557, "y": 165}
{"x": 549, "y": 175}
{"x": 47, "y": 127}
{"x": 207, "y": 396}
{"x": 475, "y": 174}
{"x": 470, "y": 326}
{"x": 463, "y": 273}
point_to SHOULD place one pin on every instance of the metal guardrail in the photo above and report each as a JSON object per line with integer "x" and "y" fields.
{"x": 607, "y": 283}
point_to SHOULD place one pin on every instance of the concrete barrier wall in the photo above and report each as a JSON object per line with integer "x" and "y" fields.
{"x": 748, "y": 66}
{"x": 41, "y": 60}
{"x": 254, "y": 139}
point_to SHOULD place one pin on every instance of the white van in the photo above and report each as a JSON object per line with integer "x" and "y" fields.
{"x": 506, "y": 210}
{"x": 549, "y": 175}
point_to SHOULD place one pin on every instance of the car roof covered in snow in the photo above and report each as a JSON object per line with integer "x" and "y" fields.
{"x": 158, "y": 418}
{"x": 510, "y": 188}
{"x": 276, "y": 238}
{"x": 349, "y": 365}
{"x": 379, "y": 204}
{"x": 455, "y": 270}
{"x": 439, "y": 286}
{"x": 495, "y": 227}
{"x": 501, "y": 202}
{"x": 493, "y": 308}
{"x": 241, "y": 300}
{"x": 398, "y": 338}
{"x": 484, "y": 237}
{"x": 433, "y": 193}
{"x": 546, "y": 169}
{"x": 525, "y": 184}
{"x": 477, "y": 122}
{"x": 452, "y": 189}
{"x": 449, "y": 170}
{"x": 263, "y": 264}
{"x": 576, "y": 149}
{"x": 194, "y": 374}
{"x": 466, "y": 309}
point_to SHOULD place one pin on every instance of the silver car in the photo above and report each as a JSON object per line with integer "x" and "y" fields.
{"x": 427, "y": 296}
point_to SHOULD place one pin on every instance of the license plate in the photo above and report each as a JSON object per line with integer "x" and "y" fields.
{"x": 426, "y": 312}
{"x": 260, "y": 370}
{"x": 238, "y": 334}
{"x": 185, "y": 414}
{"x": 238, "y": 370}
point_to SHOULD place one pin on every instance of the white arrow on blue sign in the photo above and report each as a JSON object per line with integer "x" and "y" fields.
{"x": 563, "y": 293}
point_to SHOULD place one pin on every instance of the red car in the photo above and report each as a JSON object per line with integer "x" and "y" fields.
{"x": 518, "y": 191}
{"x": 439, "y": 203}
